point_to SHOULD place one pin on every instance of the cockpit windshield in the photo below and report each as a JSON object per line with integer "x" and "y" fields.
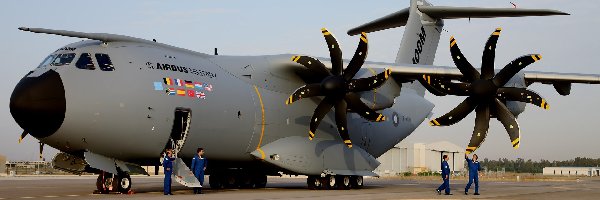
{"x": 63, "y": 59}
{"x": 47, "y": 61}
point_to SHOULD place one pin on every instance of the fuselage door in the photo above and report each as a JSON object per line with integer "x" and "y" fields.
{"x": 180, "y": 130}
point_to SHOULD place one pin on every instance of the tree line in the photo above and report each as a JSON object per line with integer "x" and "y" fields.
{"x": 528, "y": 166}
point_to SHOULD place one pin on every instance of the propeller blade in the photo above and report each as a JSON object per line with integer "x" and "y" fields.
{"x": 469, "y": 72}
{"x": 356, "y": 105}
{"x": 455, "y": 115}
{"x": 22, "y": 136}
{"x": 305, "y": 91}
{"x": 313, "y": 64}
{"x": 341, "y": 122}
{"x": 426, "y": 84}
{"x": 334, "y": 52}
{"x": 514, "y": 67}
{"x": 510, "y": 123}
{"x": 369, "y": 83}
{"x": 447, "y": 87}
{"x": 358, "y": 59}
{"x": 41, "y": 150}
{"x": 322, "y": 109}
{"x": 522, "y": 95}
{"x": 489, "y": 54}
{"x": 482, "y": 123}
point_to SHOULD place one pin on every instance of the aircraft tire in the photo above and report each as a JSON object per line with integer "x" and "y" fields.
{"x": 230, "y": 181}
{"x": 357, "y": 182}
{"x": 215, "y": 182}
{"x": 330, "y": 182}
{"x": 313, "y": 183}
{"x": 123, "y": 183}
{"x": 245, "y": 181}
{"x": 260, "y": 181}
{"x": 101, "y": 183}
{"x": 343, "y": 182}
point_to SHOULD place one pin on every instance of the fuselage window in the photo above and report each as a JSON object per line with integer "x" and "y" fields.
{"x": 85, "y": 62}
{"x": 104, "y": 62}
{"x": 47, "y": 61}
{"x": 63, "y": 59}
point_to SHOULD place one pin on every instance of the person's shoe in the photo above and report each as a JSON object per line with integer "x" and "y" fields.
{"x": 448, "y": 194}
{"x": 476, "y": 194}
{"x": 466, "y": 193}
{"x": 438, "y": 191}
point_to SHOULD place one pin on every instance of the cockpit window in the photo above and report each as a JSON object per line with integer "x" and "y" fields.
{"x": 63, "y": 59}
{"x": 47, "y": 61}
{"x": 104, "y": 62}
{"x": 85, "y": 62}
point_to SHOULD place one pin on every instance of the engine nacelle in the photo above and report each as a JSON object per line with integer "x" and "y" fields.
{"x": 516, "y": 107}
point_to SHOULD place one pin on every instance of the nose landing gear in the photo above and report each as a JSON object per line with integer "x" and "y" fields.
{"x": 107, "y": 183}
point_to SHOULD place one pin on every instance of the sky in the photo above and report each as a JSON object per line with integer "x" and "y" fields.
{"x": 237, "y": 27}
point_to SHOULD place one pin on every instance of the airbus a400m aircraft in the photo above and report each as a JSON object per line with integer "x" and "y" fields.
{"x": 113, "y": 103}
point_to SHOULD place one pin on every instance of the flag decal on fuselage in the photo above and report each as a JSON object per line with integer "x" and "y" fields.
{"x": 184, "y": 88}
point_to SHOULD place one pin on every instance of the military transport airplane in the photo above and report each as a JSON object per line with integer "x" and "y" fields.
{"x": 147, "y": 96}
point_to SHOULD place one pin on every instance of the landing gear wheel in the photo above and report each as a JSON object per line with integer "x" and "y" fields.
{"x": 215, "y": 181}
{"x": 343, "y": 182}
{"x": 260, "y": 181}
{"x": 331, "y": 182}
{"x": 230, "y": 181}
{"x": 357, "y": 182}
{"x": 245, "y": 181}
{"x": 314, "y": 183}
{"x": 123, "y": 183}
{"x": 104, "y": 183}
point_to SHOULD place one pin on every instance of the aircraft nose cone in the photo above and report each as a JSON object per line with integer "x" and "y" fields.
{"x": 38, "y": 104}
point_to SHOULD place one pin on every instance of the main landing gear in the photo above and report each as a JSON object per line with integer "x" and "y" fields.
{"x": 108, "y": 182}
{"x": 332, "y": 182}
{"x": 237, "y": 180}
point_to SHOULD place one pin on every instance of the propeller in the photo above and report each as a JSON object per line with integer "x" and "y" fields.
{"x": 340, "y": 91}
{"x": 23, "y": 135}
{"x": 485, "y": 92}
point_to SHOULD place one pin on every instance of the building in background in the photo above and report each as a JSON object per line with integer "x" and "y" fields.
{"x": 420, "y": 157}
{"x": 3, "y": 165}
{"x": 571, "y": 171}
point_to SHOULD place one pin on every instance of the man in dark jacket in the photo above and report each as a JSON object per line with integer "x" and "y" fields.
{"x": 168, "y": 168}
{"x": 445, "y": 176}
{"x": 198, "y": 167}
{"x": 473, "y": 173}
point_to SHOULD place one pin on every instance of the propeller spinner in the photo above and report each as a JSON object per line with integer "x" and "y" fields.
{"x": 338, "y": 87}
{"x": 485, "y": 92}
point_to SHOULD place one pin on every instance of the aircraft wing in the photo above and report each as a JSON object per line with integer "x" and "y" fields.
{"x": 561, "y": 81}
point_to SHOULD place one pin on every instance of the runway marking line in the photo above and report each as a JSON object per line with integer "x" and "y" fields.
{"x": 73, "y": 195}
{"x": 26, "y": 197}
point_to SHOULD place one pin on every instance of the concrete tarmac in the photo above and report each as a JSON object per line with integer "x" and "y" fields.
{"x": 76, "y": 187}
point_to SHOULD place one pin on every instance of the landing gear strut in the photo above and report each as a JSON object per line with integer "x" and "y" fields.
{"x": 108, "y": 182}
{"x": 331, "y": 182}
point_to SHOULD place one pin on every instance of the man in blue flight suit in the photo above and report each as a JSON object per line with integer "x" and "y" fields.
{"x": 473, "y": 173}
{"x": 445, "y": 176}
{"x": 198, "y": 167}
{"x": 168, "y": 168}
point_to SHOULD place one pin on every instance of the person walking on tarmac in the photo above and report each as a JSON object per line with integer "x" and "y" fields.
{"x": 473, "y": 173}
{"x": 168, "y": 169}
{"x": 198, "y": 167}
{"x": 446, "y": 176}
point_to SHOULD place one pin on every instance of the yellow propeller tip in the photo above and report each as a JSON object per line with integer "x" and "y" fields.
{"x": 499, "y": 28}
{"x": 516, "y": 146}
{"x": 539, "y": 56}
